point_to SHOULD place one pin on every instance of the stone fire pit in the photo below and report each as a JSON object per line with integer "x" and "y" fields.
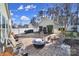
{"x": 38, "y": 43}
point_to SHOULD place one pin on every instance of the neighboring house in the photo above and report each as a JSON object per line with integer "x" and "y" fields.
{"x": 45, "y": 21}
{"x": 73, "y": 27}
{"x": 30, "y": 26}
{"x": 41, "y": 21}
{"x": 25, "y": 26}
{"x": 70, "y": 28}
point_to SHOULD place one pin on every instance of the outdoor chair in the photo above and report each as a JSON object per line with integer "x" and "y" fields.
{"x": 15, "y": 45}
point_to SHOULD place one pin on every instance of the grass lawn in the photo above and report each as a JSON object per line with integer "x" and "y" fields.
{"x": 71, "y": 34}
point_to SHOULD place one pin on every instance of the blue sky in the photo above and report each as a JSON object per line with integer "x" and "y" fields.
{"x": 23, "y": 12}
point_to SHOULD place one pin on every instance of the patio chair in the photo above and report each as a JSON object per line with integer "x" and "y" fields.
{"x": 15, "y": 45}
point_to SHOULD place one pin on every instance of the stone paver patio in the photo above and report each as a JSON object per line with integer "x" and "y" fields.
{"x": 32, "y": 51}
{"x": 27, "y": 42}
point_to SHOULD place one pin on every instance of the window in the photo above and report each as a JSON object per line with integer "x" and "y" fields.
{"x": 3, "y": 29}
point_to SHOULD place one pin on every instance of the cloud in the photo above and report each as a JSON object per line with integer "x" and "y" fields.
{"x": 17, "y": 23}
{"x": 13, "y": 19}
{"x": 28, "y": 7}
{"x": 44, "y": 9}
{"x": 16, "y": 16}
{"x": 35, "y": 15}
{"x": 24, "y": 18}
{"x": 26, "y": 22}
{"x": 11, "y": 13}
{"x": 20, "y": 7}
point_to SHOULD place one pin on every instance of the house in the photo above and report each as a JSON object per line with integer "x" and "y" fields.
{"x": 30, "y": 26}
{"x": 5, "y": 25}
{"x": 45, "y": 21}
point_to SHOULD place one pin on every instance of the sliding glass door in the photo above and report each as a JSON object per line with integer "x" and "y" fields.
{"x": 3, "y": 31}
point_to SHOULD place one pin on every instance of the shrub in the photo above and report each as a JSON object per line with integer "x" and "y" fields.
{"x": 78, "y": 34}
{"x": 71, "y": 34}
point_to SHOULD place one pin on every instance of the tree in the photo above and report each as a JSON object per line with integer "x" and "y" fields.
{"x": 78, "y": 12}
{"x": 55, "y": 13}
{"x": 41, "y": 13}
{"x": 50, "y": 12}
{"x": 67, "y": 12}
{"x": 76, "y": 18}
{"x": 33, "y": 22}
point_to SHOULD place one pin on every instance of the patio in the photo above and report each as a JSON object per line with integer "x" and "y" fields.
{"x": 27, "y": 42}
{"x": 32, "y": 51}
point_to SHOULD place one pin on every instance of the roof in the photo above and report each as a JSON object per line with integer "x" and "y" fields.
{"x": 45, "y": 21}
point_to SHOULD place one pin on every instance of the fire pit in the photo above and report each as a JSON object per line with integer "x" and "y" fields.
{"x": 38, "y": 43}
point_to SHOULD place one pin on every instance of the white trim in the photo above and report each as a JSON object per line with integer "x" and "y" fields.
{"x": 1, "y": 28}
{"x": 6, "y": 32}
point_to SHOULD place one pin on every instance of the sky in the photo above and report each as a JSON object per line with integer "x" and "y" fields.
{"x": 22, "y": 13}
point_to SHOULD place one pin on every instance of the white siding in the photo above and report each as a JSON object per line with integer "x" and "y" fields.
{"x": 45, "y": 22}
{"x": 21, "y": 30}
